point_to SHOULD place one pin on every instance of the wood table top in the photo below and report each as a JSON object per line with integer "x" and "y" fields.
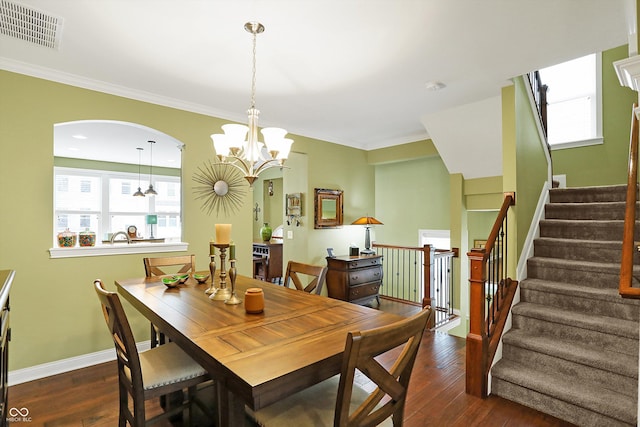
{"x": 296, "y": 342}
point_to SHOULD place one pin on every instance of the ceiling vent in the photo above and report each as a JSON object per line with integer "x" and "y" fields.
{"x": 29, "y": 24}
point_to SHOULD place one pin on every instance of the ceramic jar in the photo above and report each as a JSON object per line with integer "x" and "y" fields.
{"x": 87, "y": 238}
{"x": 254, "y": 300}
{"x": 265, "y": 232}
{"x": 67, "y": 239}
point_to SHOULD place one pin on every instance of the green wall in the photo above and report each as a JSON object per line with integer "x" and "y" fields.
{"x": 55, "y": 313}
{"x": 410, "y": 196}
{"x": 604, "y": 164}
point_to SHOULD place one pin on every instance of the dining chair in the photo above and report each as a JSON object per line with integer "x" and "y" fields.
{"x": 305, "y": 277}
{"x": 152, "y": 267}
{"x": 384, "y": 355}
{"x": 149, "y": 374}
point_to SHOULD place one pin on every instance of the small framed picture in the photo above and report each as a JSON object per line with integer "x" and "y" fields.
{"x": 479, "y": 244}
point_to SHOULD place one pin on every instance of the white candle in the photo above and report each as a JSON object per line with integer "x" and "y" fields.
{"x": 223, "y": 233}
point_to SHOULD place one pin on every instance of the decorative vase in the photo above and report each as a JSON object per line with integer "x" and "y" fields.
{"x": 265, "y": 232}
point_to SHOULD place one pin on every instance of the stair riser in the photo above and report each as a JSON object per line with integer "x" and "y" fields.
{"x": 590, "y": 195}
{"x": 579, "y": 252}
{"x": 596, "y": 279}
{"x": 588, "y": 231}
{"x": 611, "y": 342}
{"x": 550, "y": 364}
{"x": 597, "y": 212}
{"x": 579, "y": 304}
{"x": 552, "y": 406}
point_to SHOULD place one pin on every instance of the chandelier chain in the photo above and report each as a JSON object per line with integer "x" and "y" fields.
{"x": 253, "y": 73}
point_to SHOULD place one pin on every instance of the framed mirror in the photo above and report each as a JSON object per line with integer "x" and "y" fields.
{"x": 328, "y": 208}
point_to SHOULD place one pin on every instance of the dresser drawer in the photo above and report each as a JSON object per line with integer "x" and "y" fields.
{"x": 363, "y": 291}
{"x": 362, "y": 263}
{"x": 365, "y": 275}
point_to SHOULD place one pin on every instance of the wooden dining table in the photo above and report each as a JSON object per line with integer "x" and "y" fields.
{"x": 255, "y": 359}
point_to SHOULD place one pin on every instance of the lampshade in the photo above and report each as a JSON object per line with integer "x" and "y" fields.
{"x": 366, "y": 220}
{"x": 152, "y": 219}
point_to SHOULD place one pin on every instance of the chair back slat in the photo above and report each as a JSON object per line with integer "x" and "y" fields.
{"x": 305, "y": 277}
{"x": 402, "y": 340}
{"x": 184, "y": 264}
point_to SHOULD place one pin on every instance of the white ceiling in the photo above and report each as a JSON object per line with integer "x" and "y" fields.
{"x": 352, "y": 72}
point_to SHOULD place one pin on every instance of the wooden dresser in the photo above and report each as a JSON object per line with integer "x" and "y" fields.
{"x": 267, "y": 261}
{"x": 354, "y": 279}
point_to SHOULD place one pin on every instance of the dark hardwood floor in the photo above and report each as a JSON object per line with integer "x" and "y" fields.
{"x": 89, "y": 397}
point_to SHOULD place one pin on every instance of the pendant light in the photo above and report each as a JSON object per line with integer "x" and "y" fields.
{"x": 150, "y": 191}
{"x": 139, "y": 193}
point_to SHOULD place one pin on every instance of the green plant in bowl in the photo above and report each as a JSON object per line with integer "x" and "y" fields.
{"x": 170, "y": 282}
{"x": 181, "y": 277}
{"x": 201, "y": 278}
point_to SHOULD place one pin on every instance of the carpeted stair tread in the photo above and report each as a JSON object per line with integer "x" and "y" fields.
{"x": 595, "y": 274}
{"x": 607, "y": 325}
{"x": 605, "y": 193}
{"x": 583, "y": 229}
{"x": 568, "y": 389}
{"x": 595, "y": 356}
{"x": 572, "y": 289}
{"x": 578, "y": 249}
{"x": 587, "y": 211}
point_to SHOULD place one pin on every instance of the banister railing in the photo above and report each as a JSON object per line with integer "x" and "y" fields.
{"x": 628, "y": 238}
{"x": 419, "y": 275}
{"x": 539, "y": 92}
{"x": 491, "y": 295}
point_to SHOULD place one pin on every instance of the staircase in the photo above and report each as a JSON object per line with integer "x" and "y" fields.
{"x": 573, "y": 349}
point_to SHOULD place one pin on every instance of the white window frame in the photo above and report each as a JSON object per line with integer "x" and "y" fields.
{"x": 598, "y": 138}
{"x": 104, "y": 218}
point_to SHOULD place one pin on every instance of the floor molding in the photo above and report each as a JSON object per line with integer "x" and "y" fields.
{"x": 37, "y": 372}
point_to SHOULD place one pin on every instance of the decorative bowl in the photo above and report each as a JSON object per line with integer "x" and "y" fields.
{"x": 181, "y": 277}
{"x": 201, "y": 278}
{"x": 170, "y": 282}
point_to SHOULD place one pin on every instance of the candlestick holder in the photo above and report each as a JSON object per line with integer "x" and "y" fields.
{"x": 223, "y": 292}
{"x": 233, "y": 299}
{"x": 211, "y": 290}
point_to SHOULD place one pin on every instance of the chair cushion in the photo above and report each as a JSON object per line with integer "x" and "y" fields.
{"x": 311, "y": 407}
{"x": 167, "y": 364}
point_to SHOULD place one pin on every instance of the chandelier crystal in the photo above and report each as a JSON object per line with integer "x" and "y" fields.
{"x": 239, "y": 145}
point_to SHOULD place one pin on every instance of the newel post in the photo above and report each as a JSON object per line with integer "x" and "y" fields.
{"x": 477, "y": 342}
{"x": 429, "y": 274}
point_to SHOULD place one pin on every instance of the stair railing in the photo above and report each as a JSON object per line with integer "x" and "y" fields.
{"x": 419, "y": 276}
{"x": 491, "y": 295}
{"x": 628, "y": 239}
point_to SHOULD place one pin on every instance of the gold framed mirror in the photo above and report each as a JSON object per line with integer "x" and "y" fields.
{"x": 328, "y": 208}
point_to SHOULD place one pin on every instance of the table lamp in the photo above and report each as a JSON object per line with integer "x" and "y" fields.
{"x": 367, "y": 221}
{"x": 152, "y": 219}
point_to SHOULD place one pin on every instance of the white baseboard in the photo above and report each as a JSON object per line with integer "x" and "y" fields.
{"x": 37, "y": 372}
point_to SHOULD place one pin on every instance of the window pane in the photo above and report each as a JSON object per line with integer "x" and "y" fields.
{"x": 76, "y": 222}
{"x": 119, "y": 202}
{"x": 168, "y": 198}
{"x": 122, "y": 222}
{"x": 82, "y": 193}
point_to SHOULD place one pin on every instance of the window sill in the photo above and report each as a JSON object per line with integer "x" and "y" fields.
{"x": 576, "y": 144}
{"x": 118, "y": 249}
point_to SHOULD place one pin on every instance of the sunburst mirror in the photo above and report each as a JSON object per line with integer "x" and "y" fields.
{"x": 221, "y": 187}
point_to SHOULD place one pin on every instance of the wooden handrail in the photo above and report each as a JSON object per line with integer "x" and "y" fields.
{"x": 488, "y": 313}
{"x": 628, "y": 238}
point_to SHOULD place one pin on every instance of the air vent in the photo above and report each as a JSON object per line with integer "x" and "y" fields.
{"x": 29, "y": 24}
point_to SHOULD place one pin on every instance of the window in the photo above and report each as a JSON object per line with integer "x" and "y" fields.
{"x": 103, "y": 202}
{"x": 574, "y": 113}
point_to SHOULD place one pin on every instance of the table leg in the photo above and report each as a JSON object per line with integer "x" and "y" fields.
{"x": 230, "y": 408}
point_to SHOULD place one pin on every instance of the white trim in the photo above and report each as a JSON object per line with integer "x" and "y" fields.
{"x": 118, "y": 249}
{"x": 538, "y": 121}
{"x": 628, "y": 71}
{"x": 574, "y": 144}
{"x": 37, "y": 372}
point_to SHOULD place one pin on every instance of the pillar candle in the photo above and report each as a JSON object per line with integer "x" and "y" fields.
{"x": 223, "y": 233}
{"x": 232, "y": 251}
{"x": 212, "y": 249}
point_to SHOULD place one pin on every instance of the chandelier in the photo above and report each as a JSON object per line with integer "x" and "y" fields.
{"x": 239, "y": 145}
